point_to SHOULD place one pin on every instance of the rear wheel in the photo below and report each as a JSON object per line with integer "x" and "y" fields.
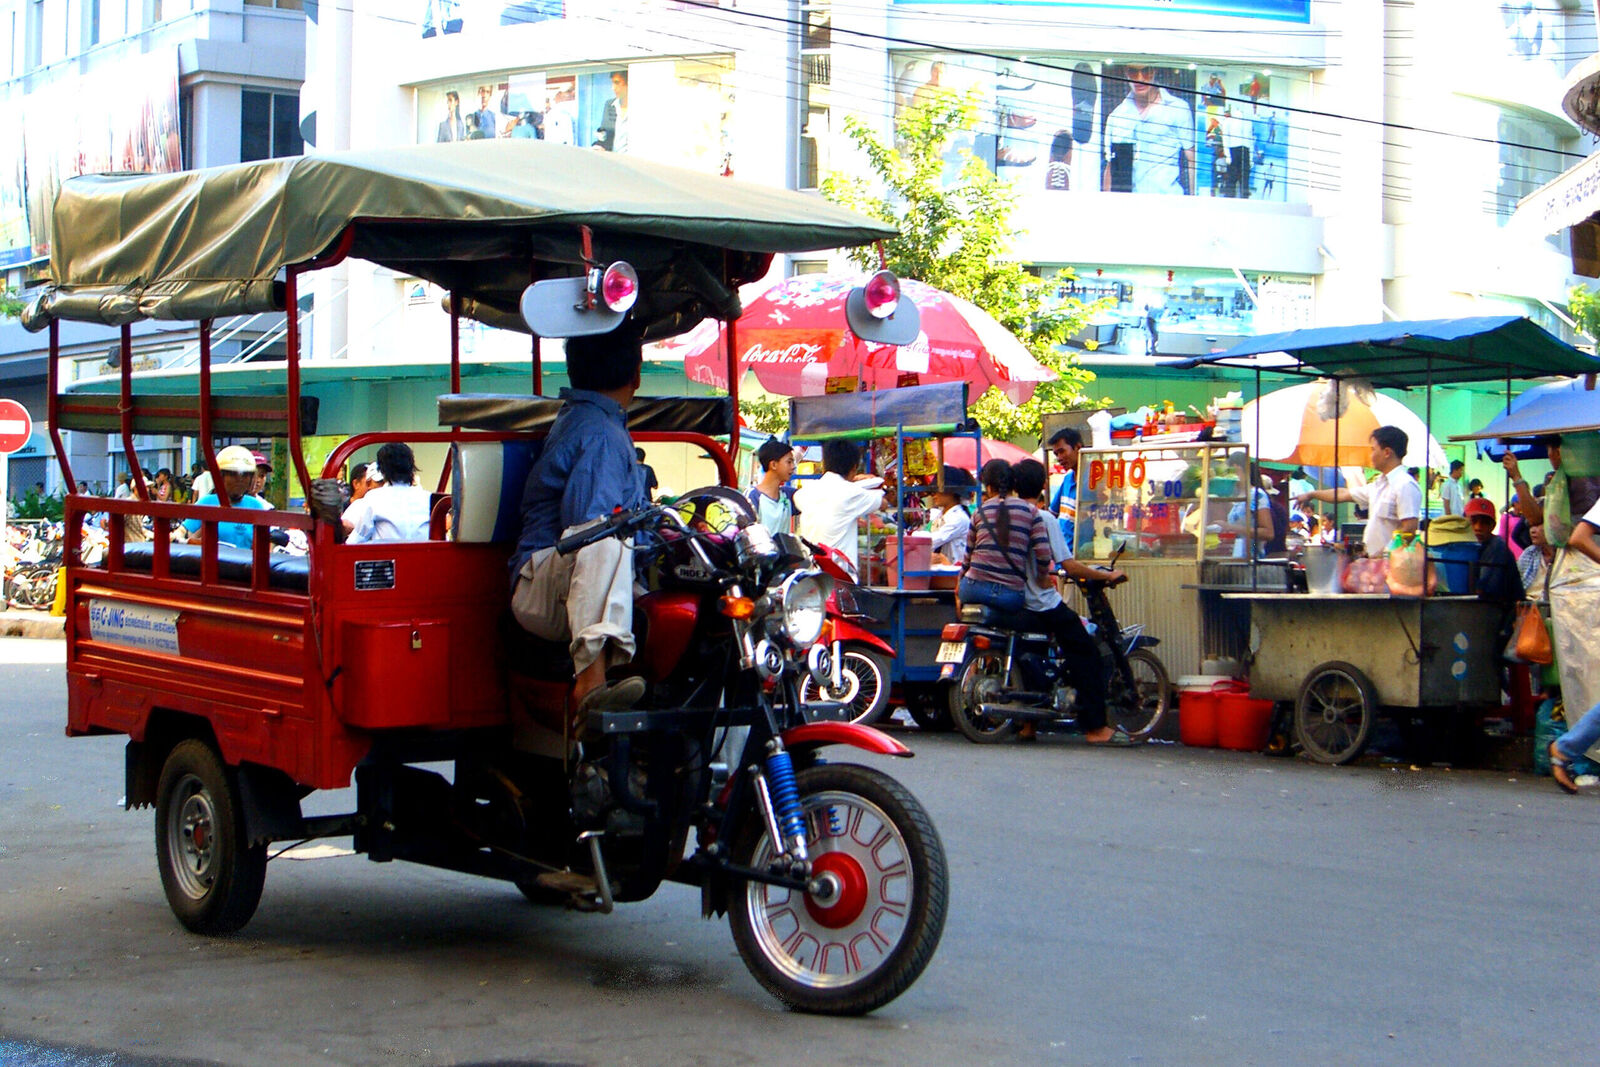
{"x": 1334, "y": 712}
{"x": 864, "y": 685}
{"x": 211, "y": 873}
{"x": 1140, "y": 712}
{"x": 867, "y": 937}
{"x": 982, "y": 680}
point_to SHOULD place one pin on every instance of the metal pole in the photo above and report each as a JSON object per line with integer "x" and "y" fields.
{"x": 292, "y": 359}
{"x": 733, "y": 390}
{"x": 455, "y": 342}
{"x": 53, "y": 406}
{"x": 125, "y": 411}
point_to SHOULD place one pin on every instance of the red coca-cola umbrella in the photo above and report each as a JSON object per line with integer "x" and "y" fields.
{"x": 794, "y": 338}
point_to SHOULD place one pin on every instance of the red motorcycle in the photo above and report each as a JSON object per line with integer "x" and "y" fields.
{"x": 860, "y": 678}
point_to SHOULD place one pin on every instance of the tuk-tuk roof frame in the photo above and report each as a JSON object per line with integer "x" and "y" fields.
{"x": 479, "y": 218}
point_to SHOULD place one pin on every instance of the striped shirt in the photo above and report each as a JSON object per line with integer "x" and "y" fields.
{"x": 1027, "y": 547}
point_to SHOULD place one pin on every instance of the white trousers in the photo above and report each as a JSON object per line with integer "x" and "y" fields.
{"x": 585, "y": 599}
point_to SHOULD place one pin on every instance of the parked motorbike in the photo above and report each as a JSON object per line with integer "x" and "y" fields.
{"x": 1006, "y": 673}
{"x": 861, "y": 677}
{"x": 832, "y": 875}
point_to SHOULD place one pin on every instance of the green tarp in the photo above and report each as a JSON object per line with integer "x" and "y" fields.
{"x": 470, "y": 216}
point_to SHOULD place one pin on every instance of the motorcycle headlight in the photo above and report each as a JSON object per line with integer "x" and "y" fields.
{"x": 804, "y": 599}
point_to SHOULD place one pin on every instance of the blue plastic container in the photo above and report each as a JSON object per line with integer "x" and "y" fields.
{"x": 1453, "y": 566}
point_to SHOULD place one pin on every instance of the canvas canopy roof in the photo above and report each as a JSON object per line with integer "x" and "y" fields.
{"x": 476, "y": 217}
{"x": 1400, "y": 355}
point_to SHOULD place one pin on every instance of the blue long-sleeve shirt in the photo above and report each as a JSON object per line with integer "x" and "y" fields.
{"x": 587, "y": 469}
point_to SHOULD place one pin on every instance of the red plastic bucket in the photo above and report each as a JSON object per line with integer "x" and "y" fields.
{"x": 1198, "y": 718}
{"x": 1243, "y": 723}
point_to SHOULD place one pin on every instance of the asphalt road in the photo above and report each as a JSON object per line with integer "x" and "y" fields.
{"x": 1160, "y": 905}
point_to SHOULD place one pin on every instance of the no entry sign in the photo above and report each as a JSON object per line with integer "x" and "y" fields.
{"x": 15, "y": 426}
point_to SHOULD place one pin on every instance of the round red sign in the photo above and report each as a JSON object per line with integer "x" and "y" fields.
{"x": 15, "y": 426}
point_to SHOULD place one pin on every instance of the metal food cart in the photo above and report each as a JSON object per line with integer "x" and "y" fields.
{"x": 1340, "y": 658}
{"x": 901, "y": 604}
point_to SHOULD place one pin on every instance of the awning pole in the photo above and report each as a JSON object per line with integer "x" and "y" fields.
{"x": 455, "y": 341}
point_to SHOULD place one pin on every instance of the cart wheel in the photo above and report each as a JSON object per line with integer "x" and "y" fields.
{"x": 211, "y": 873}
{"x": 1334, "y": 712}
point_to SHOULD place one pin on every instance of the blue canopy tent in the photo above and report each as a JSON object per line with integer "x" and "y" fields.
{"x": 1411, "y": 353}
{"x": 1564, "y": 407}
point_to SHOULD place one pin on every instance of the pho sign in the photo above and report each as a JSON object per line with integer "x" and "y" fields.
{"x": 15, "y": 427}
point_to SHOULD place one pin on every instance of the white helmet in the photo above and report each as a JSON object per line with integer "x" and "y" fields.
{"x": 236, "y": 459}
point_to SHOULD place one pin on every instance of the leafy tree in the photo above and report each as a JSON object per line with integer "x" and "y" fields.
{"x": 1584, "y": 303}
{"x": 767, "y": 414}
{"x": 957, "y": 236}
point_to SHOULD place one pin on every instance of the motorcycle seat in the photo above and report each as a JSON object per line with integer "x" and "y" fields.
{"x": 986, "y": 615}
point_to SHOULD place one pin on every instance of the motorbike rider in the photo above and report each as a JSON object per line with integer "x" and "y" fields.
{"x": 1008, "y": 543}
{"x": 1043, "y": 604}
{"x": 587, "y": 470}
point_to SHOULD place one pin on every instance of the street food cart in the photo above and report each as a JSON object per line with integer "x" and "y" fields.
{"x": 1340, "y": 658}
{"x": 1168, "y": 508}
{"x": 904, "y": 599}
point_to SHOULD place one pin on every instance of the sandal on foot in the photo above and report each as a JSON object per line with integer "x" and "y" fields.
{"x": 1119, "y": 739}
{"x": 1558, "y": 771}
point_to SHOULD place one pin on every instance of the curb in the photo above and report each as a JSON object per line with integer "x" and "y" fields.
{"x": 33, "y": 624}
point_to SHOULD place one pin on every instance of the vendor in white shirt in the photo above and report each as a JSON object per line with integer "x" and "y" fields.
{"x": 830, "y": 506}
{"x": 951, "y": 520}
{"x": 397, "y": 509}
{"x": 1393, "y": 499}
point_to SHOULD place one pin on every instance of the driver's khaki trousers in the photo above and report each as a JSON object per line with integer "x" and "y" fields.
{"x": 585, "y": 598}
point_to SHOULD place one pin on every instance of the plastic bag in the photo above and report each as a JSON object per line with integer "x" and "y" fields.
{"x": 1366, "y": 575}
{"x": 1557, "y": 510}
{"x": 1408, "y": 566}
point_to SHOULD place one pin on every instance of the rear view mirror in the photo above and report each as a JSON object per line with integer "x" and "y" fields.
{"x": 558, "y": 307}
{"x": 899, "y": 328}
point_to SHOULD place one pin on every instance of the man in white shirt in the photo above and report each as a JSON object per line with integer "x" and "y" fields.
{"x": 1453, "y": 493}
{"x": 1393, "y": 499}
{"x": 1159, "y": 130}
{"x": 397, "y": 510}
{"x": 830, "y": 505}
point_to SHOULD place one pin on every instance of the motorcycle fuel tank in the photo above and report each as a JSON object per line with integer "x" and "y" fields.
{"x": 663, "y": 623}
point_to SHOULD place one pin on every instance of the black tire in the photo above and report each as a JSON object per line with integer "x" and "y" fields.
{"x": 929, "y": 707}
{"x": 858, "y": 820}
{"x": 865, "y": 674}
{"x": 1333, "y": 713}
{"x": 1142, "y": 712}
{"x": 980, "y": 679}
{"x": 212, "y": 875}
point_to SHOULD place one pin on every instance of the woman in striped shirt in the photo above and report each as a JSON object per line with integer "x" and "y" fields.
{"x": 1007, "y": 543}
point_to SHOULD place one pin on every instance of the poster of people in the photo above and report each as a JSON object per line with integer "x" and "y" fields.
{"x": 122, "y": 118}
{"x": 670, "y": 111}
{"x": 16, "y": 246}
{"x": 1070, "y": 125}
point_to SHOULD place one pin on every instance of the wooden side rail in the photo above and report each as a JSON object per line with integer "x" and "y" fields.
{"x": 231, "y": 416}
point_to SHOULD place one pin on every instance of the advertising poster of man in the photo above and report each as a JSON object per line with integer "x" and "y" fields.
{"x": 923, "y": 78}
{"x": 1149, "y": 136}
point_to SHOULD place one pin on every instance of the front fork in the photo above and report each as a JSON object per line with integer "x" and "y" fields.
{"x": 778, "y": 799}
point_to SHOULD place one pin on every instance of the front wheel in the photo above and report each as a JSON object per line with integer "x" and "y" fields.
{"x": 211, "y": 873}
{"x": 1141, "y": 711}
{"x": 982, "y": 681}
{"x": 864, "y": 941}
{"x": 864, "y": 685}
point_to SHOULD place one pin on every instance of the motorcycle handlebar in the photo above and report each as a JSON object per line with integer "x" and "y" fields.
{"x": 612, "y": 527}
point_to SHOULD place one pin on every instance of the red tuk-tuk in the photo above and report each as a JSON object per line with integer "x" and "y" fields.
{"x": 246, "y": 678}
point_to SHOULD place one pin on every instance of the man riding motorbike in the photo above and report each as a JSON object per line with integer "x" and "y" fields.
{"x": 1048, "y": 612}
{"x": 587, "y": 470}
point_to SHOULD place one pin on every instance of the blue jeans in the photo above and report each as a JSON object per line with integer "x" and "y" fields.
{"x": 1581, "y": 735}
{"x": 997, "y": 596}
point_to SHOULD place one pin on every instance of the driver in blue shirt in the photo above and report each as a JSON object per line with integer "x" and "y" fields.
{"x": 587, "y": 470}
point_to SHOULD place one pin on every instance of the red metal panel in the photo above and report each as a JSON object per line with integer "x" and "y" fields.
{"x": 669, "y": 622}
